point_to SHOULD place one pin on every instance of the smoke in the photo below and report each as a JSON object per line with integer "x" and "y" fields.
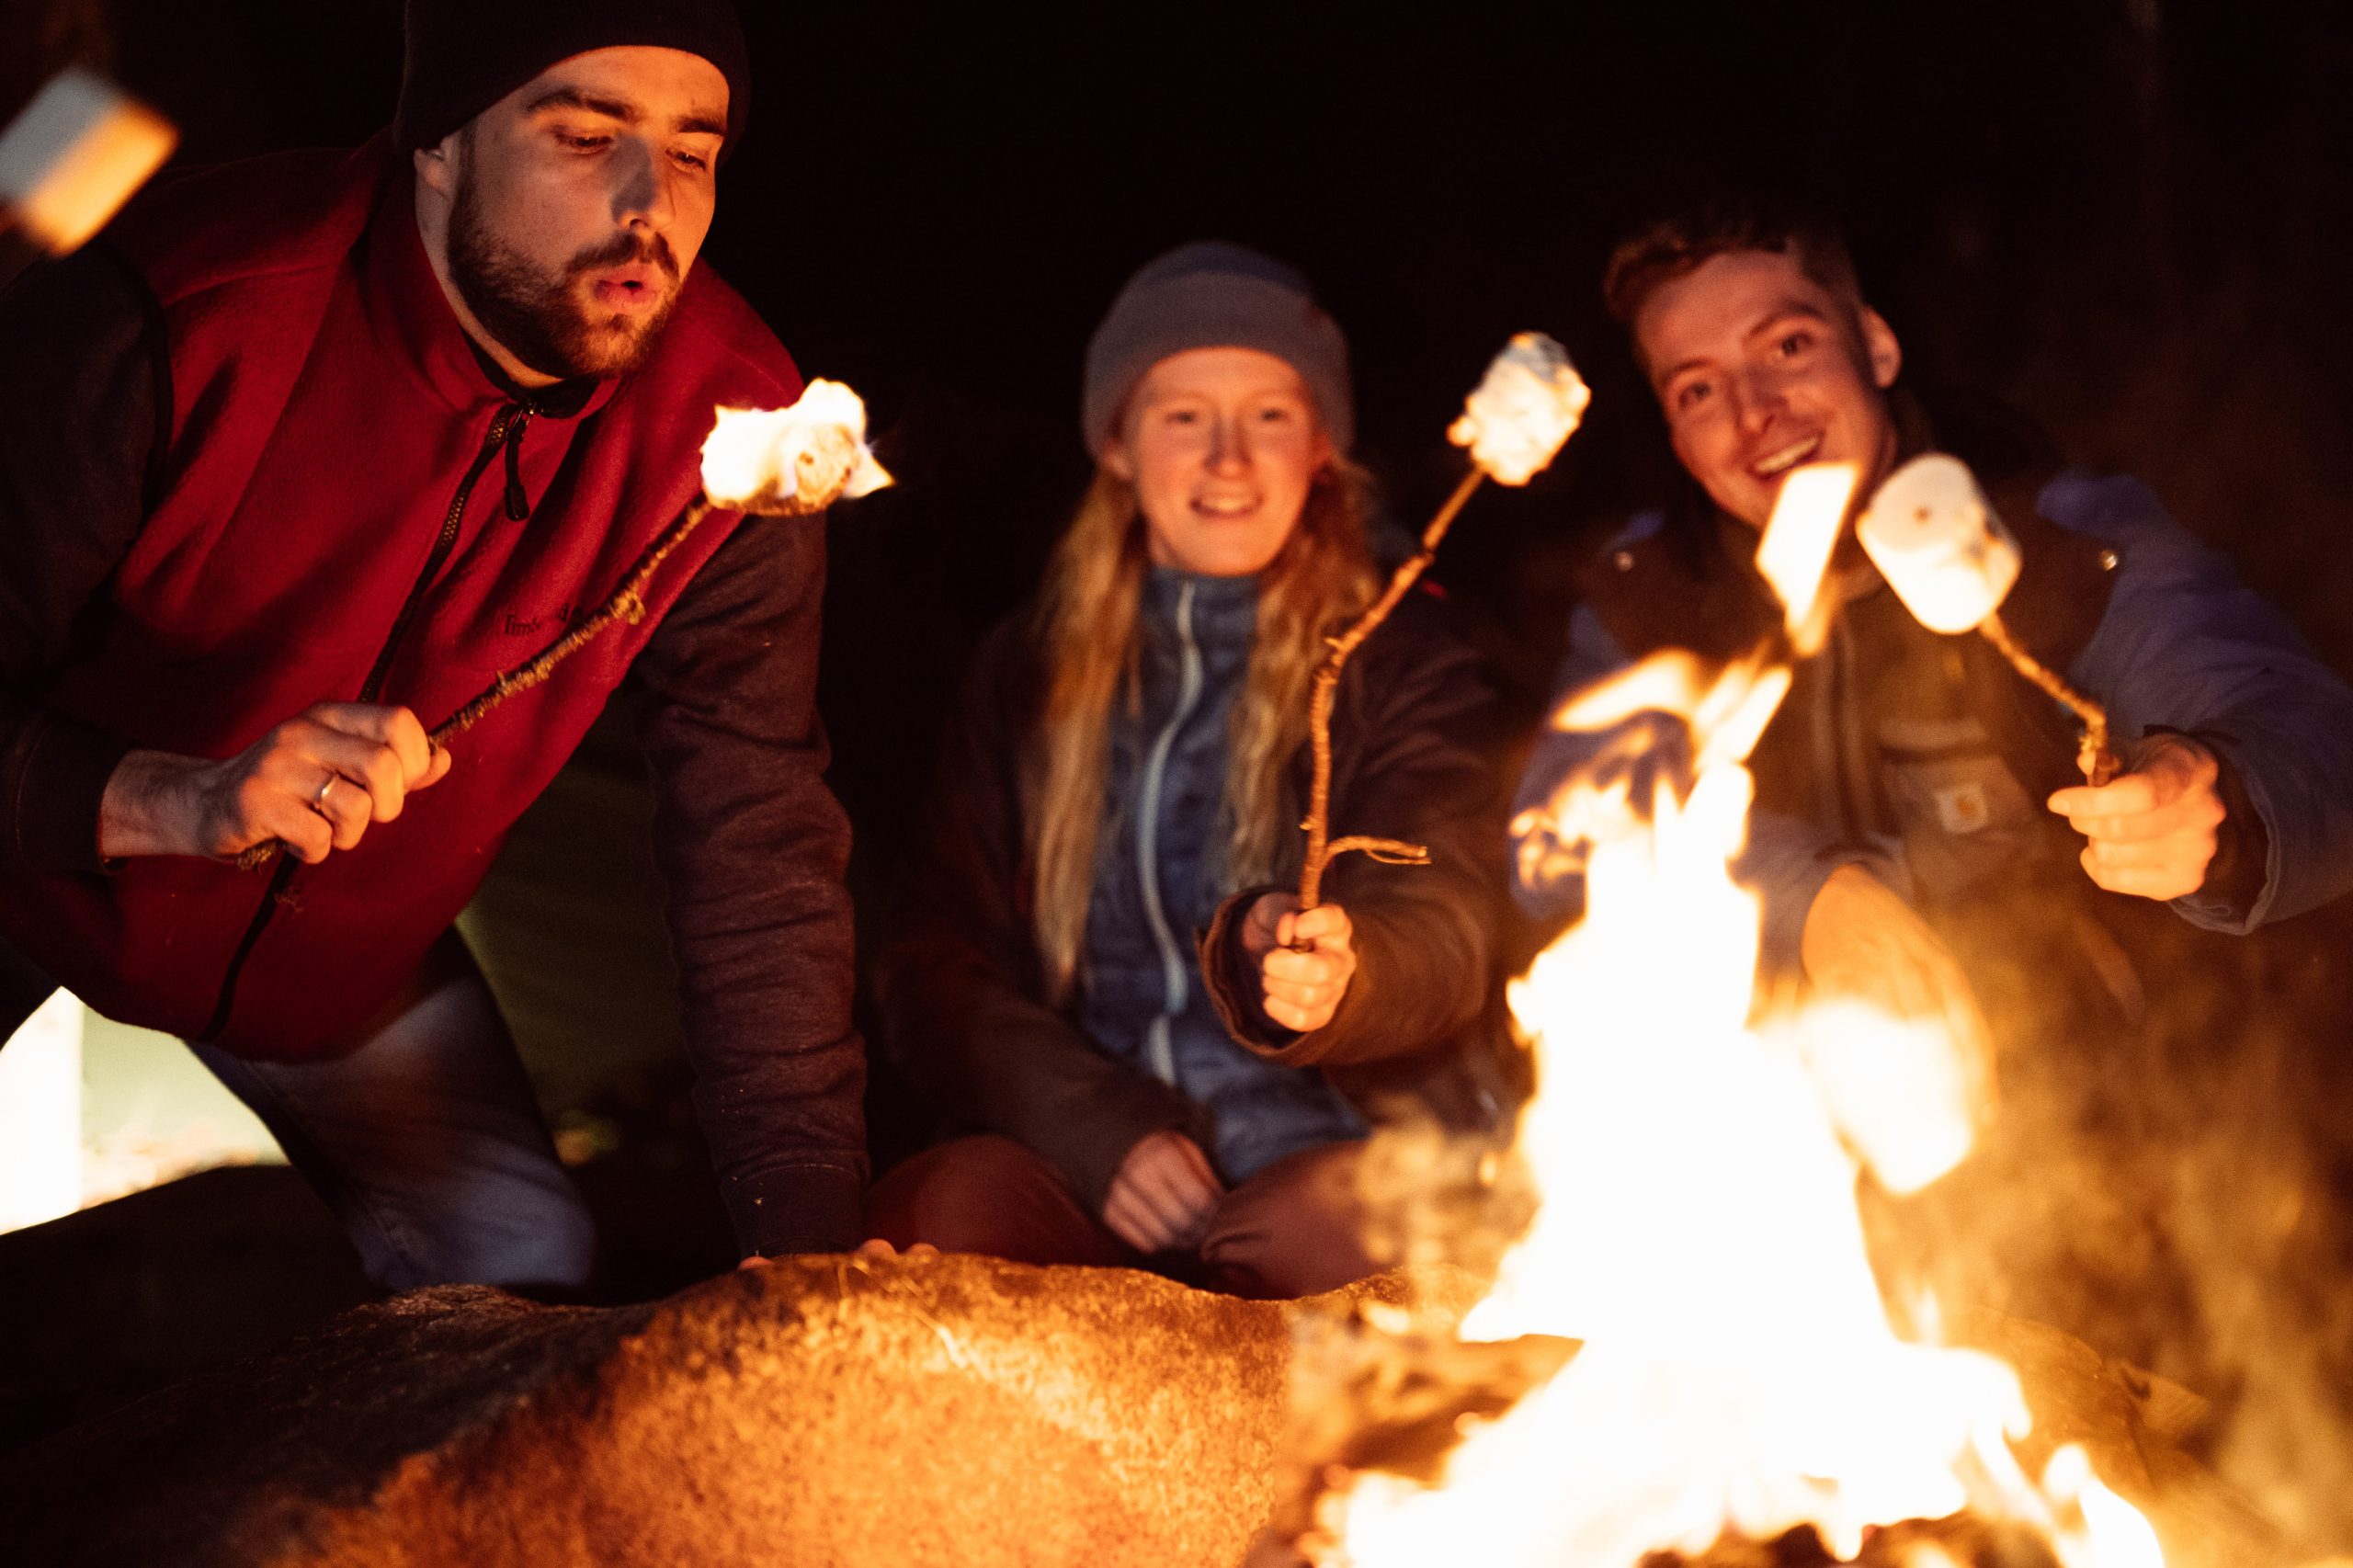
{"x": 2171, "y": 1189}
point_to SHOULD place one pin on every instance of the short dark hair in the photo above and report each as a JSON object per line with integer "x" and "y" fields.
{"x": 1667, "y": 248}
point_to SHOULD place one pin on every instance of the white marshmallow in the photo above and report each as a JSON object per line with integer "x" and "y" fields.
{"x": 1940, "y": 546}
{"x": 1527, "y": 406}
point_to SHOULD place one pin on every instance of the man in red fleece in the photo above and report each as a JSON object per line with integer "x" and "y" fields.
{"x": 292, "y": 462}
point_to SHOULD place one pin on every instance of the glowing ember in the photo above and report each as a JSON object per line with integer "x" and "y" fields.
{"x": 802, "y": 458}
{"x": 1524, "y": 410}
{"x": 1940, "y": 547}
{"x": 1678, "y": 1149}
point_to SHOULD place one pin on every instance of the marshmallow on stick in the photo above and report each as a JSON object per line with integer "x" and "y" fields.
{"x": 1525, "y": 409}
{"x": 771, "y": 461}
{"x": 791, "y": 461}
{"x": 1950, "y": 558}
{"x": 1943, "y": 550}
{"x": 1515, "y": 422}
{"x": 76, "y": 154}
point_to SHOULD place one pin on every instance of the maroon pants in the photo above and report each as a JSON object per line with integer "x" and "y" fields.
{"x": 1293, "y": 1230}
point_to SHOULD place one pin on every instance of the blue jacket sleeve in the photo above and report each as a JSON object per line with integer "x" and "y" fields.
{"x": 1785, "y": 861}
{"x": 2187, "y": 646}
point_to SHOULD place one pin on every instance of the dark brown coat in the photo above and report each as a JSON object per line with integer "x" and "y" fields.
{"x": 962, "y": 988}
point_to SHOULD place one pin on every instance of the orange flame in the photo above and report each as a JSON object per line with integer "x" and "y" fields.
{"x": 1697, "y": 1231}
{"x": 1794, "y": 554}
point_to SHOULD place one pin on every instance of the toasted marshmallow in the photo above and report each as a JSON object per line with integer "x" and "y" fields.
{"x": 790, "y": 460}
{"x": 1528, "y": 406}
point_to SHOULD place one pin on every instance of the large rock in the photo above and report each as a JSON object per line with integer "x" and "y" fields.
{"x": 824, "y": 1411}
{"x": 836, "y": 1411}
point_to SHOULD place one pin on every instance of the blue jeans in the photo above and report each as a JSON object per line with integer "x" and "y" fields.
{"x": 424, "y": 1141}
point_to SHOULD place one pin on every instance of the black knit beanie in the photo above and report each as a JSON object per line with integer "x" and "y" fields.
{"x": 465, "y": 55}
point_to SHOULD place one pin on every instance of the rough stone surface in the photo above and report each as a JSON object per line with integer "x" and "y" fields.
{"x": 824, "y": 1411}
{"x": 827, "y": 1411}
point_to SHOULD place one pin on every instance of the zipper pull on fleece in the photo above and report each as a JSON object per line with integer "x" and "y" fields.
{"x": 518, "y": 505}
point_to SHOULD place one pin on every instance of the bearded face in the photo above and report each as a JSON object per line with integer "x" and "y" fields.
{"x": 595, "y": 314}
{"x": 576, "y": 205}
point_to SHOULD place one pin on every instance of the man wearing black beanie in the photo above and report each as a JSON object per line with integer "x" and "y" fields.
{"x": 294, "y": 459}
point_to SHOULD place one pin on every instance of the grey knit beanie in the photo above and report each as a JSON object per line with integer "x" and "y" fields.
{"x": 1214, "y": 296}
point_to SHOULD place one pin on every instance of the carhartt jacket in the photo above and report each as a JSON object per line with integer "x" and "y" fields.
{"x": 1928, "y": 758}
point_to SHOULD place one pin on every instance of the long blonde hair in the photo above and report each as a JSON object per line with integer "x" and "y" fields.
{"x": 1087, "y": 631}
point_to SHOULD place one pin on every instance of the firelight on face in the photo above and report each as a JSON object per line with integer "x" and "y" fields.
{"x": 1222, "y": 446}
{"x": 1760, "y": 369}
{"x": 580, "y": 201}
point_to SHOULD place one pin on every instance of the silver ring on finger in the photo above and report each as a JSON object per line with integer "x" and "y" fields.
{"x": 319, "y": 800}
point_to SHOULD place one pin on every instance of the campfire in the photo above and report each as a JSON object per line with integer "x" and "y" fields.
{"x": 1707, "y": 1358}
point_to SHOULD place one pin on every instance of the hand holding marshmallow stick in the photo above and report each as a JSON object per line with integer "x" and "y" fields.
{"x": 786, "y": 462}
{"x": 2152, "y": 832}
{"x": 1523, "y": 411}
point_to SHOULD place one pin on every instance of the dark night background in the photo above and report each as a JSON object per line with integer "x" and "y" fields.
{"x": 2123, "y": 215}
{"x": 2130, "y": 218}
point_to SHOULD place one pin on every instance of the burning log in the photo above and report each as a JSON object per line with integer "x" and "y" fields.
{"x": 834, "y": 1411}
{"x": 1517, "y": 418}
{"x": 1407, "y": 1389}
{"x": 1947, "y": 555}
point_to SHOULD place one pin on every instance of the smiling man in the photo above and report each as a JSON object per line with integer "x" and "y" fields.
{"x": 1913, "y": 784}
{"x": 294, "y": 461}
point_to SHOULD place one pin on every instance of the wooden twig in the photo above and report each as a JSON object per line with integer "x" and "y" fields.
{"x": 1321, "y": 847}
{"x": 627, "y": 604}
{"x": 2092, "y": 754}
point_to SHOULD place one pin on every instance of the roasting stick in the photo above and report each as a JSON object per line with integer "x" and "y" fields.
{"x": 1526, "y": 407}
{"x": 2092, "y": 754}
{"x": 1950, "y": 558}
{"x": 627, "y": 604}
{"x": 1322, "y": 848}
{"x": 786, "y": 462}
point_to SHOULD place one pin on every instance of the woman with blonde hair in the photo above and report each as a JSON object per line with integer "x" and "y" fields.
{"x": 1099, "y": 976}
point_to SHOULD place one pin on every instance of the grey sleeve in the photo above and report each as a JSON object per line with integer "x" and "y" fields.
{"x": 752, "y": 849}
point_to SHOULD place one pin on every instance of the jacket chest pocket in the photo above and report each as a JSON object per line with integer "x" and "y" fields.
{"x": 1963, "y": 815}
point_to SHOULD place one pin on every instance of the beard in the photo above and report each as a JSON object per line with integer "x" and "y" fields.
{"x": 544, "y": 318}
